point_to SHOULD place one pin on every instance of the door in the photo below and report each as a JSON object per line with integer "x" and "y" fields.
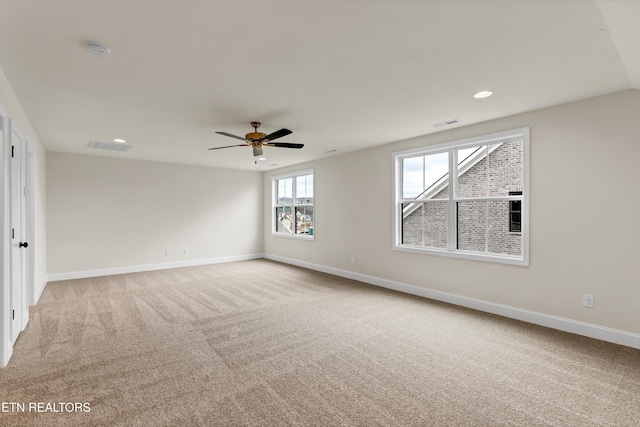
{"x": 18, "y": 244}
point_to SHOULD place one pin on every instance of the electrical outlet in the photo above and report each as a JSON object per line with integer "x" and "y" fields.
{"x": 167, "y": 252}
{"x": 353, "y": 259}
{"x": 587, "y": 300}
{"x": 186, "y": 251}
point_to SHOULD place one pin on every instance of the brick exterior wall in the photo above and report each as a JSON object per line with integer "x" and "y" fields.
{"x": 427, "y": 225}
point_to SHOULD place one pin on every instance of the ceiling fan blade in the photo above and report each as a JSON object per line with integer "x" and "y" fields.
{"x": 283, "y": 145}
{"x": 231, "y": 135}
{"x": 277, "y": 134}
{"x": 229, "y": 146}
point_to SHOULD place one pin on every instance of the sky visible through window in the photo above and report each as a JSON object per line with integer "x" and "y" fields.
{"x": 420, "y": 173}
{"x": 285, "y": 188}
{"x": 304, "y": 188}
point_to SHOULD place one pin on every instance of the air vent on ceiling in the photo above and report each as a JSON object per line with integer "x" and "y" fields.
{"x": 97, "y": 49}
{"x": 113, "y": 146}
{"x": 446, "y": 123}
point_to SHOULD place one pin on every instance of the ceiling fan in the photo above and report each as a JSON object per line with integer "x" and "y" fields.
{"x": 258, "y": 139}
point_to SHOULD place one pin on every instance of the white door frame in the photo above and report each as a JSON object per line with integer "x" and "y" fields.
{"x": 18, "y": 233}
{"x": 6, "y": 347}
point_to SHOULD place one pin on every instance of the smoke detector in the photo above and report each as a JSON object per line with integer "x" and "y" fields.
{"x": 97, "y": 49}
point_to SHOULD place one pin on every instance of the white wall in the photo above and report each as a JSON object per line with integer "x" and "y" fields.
{"x": 585, "y": 205}
{"x": 107, "y": 213}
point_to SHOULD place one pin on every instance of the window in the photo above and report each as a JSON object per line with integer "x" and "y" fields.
{"x": 466, "y": 199}
{"x": 293, "y": 204}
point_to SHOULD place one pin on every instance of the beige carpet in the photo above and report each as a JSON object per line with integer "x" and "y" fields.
{"x": 258, "y": 343}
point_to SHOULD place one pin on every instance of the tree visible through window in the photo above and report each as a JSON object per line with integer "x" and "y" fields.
{"x": 293, "y": 204}
{"x": 466, "y": 198}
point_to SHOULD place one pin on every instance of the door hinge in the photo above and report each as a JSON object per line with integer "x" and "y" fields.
{"x": 13, "y": 314}
{"x": 13, "y": 233}
{"x": 13, "y": 147}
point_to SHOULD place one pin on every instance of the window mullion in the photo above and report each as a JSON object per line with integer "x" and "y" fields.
{"x": 486, "y": 225}
{"x": 294, "y": 204}
{"x": 424, "y": 173}
{"x": 274, "y": 205}
{"x": 452, "y": 220}
{"x": 486, "y": 204}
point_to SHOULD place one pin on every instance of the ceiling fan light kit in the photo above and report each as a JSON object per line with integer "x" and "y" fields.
{"x": 257, "y": 140}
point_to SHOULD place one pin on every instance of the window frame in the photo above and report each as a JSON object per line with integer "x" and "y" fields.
{"x": 274, "y": 202}
{"x": 452, "y": 201}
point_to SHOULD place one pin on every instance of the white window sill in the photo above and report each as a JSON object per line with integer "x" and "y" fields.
{"x": 294, "y": 236}
{"x": 497, "y": 258}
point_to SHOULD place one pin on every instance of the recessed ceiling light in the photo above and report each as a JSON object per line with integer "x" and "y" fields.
{"x": 330, "y": 151}
{"x": 262, "y": 158}
{"x": 120, "y": 140}
{"x": 483, "y": 94}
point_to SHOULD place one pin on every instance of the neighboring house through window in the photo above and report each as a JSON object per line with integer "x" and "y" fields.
{"x": 293, "y": 202}
{"x": 466, "y": 199}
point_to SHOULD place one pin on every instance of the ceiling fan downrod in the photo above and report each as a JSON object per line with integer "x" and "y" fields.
{"x": 255, "y": 138}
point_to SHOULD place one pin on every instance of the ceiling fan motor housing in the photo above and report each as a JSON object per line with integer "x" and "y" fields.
{"x": 255, "y": 136}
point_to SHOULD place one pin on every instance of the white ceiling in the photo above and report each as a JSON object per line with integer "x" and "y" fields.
{"x": 342, "y": 75}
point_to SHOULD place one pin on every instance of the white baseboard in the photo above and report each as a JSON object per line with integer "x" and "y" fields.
{"x": 25, "y": 319}
{"x": 38, "y": 292}
{"x": 590, "y": 330}
{"x": 7, "y": 352}
{"x": 147, "y": 267}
